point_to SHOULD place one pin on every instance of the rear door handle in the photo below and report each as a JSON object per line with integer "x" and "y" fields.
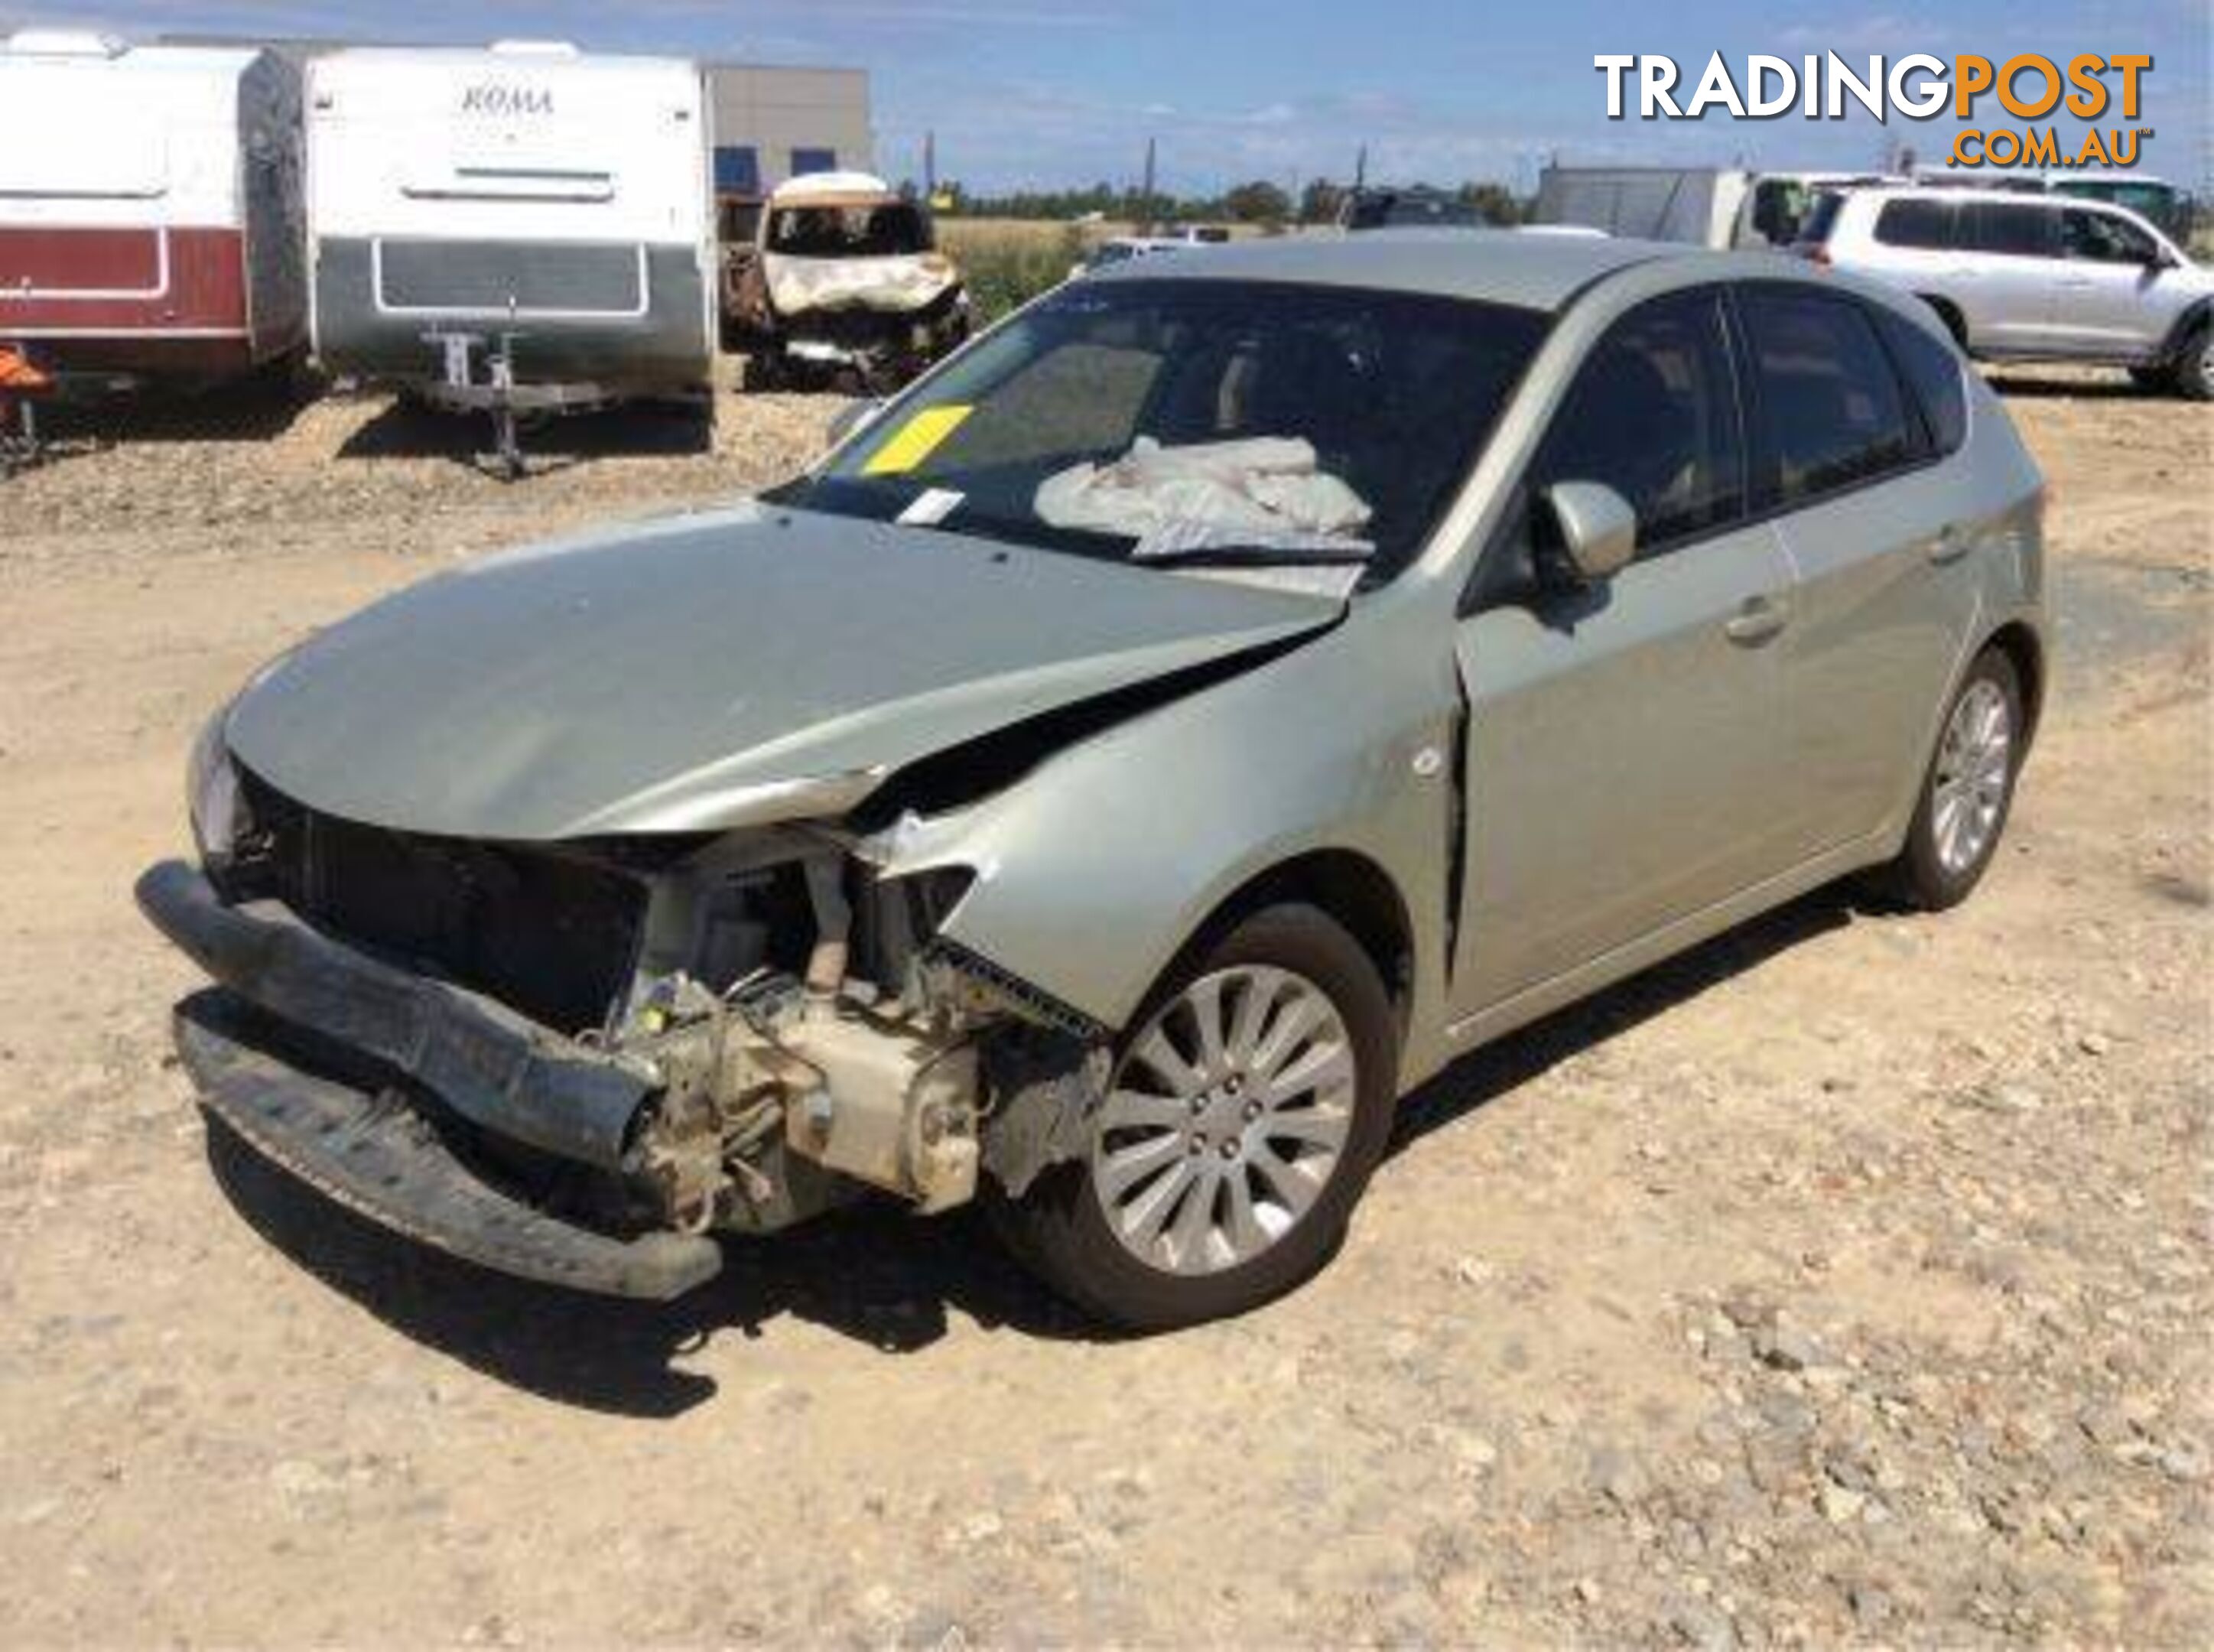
{"x": 1757, "y": 620}
{"x": 1950, "y": 545}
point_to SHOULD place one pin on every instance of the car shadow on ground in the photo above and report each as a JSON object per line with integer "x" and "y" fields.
{"x": 408, "y": 430}
{"x": 1507, "y": 1064}
{"x": 884, "y": 1279}
{"x": 2120, "y": 387}
{"x": 870, "y": 1273}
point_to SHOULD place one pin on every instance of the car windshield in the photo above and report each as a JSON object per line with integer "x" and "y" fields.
{"x": 1138, "y": 419}
{"x": 1411, "y": 209}
{"x": 879, "y": 230}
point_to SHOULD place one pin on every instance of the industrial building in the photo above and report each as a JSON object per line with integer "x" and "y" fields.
{"x": 770, "y": 124}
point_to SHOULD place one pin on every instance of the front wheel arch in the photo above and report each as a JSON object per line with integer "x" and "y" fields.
{"x": 2025, "y": 653}
{"x": 1346, "y": 886}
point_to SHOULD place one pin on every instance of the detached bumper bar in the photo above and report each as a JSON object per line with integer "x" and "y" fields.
{"x": 377, "y": 1156}
{"x": 371, "y": 1150}
{"x": 492, "y": 1067}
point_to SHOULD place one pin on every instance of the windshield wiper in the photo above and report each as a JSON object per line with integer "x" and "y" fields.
{"x": 1256, "y": 556}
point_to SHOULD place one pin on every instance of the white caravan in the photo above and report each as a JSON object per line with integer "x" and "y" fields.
{"x": 520, "y": 228}
{"x": 150, "y": 210}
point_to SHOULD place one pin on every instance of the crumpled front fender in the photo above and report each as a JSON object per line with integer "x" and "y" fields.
{"x": 1093, "y": 872}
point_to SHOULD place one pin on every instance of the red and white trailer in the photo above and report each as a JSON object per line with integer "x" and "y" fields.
{"x": 151, "y": 218}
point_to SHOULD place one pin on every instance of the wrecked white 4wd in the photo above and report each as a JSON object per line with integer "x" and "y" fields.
{"x": 844, "y": 277}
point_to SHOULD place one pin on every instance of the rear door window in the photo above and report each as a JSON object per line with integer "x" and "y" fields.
{"x": 1653, "y": 414}
{"x": 1934, "y": 372}
{"x": 2016, "y": 230}
{"x": 1830, "y": 410}
{"x": 1921, "y": 223}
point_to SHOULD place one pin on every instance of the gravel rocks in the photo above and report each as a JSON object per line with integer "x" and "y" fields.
{"x": 1911, "y": 1351}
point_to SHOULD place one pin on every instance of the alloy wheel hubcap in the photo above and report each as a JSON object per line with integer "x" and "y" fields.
{"x": 1225, "y": 1121}
{"x": 1975, "y": 766}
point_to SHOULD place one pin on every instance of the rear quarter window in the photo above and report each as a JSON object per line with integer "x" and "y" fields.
{"x": 1923, "y": 223}
{"x": 1830, "y": 410}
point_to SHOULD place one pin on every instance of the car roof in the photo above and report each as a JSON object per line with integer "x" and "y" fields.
{"x": 1499, "y": 267}
{"x": 1945, "y": 192}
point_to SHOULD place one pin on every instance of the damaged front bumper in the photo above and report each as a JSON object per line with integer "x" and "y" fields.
{"x": 496, "y": 1069}
{"x": 380, "y": 1156}
{"x": 447, "y": 1116}
{"x": 370, "y": 1145}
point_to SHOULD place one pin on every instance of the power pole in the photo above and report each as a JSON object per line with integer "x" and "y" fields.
{"x": 1361, "y": 168}
{"x": 929, "y": 166}
{"x": 1145, "y": 195}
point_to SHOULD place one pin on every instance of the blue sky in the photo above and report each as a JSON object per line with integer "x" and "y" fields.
{"x": 1053, "y": 92}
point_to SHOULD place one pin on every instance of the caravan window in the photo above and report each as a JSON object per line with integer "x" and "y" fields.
{"x": 804, "y": 161}
{"x": 467, "y": 182}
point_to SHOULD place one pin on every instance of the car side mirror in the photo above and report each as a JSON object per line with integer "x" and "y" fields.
{"x": 1599, "y": 529}
{"x": 851, "y": 418}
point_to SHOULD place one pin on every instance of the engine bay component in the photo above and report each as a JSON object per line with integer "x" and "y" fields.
{"x": 893, "y": 1109}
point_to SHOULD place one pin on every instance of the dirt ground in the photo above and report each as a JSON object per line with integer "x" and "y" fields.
{"x": 1848, "y": 1279}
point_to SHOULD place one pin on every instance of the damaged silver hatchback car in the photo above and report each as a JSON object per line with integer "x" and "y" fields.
{"x": 1122, "y": 769}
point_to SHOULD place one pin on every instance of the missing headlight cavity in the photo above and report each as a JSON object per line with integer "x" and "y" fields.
{"x": 800, "y": 1019}
{"x": 753, "y": 910}
{"x": 549, "y": 930}
{"x": 991, "y": 762}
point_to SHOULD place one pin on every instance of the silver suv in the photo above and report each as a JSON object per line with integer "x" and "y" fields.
{"x": 2021, "y": 278}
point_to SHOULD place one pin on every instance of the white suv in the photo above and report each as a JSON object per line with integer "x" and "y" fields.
{"x": 2029, "y": 278}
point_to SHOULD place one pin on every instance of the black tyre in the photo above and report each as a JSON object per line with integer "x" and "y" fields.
{"x": 2159, "y": 380}
{"x": 2193, "y": 370}
{"x": 1969, "y": 791}
{"x": 1951, "y": 316}
{"x": 1249, "y": 1105}
{"x": 765, "y": 373}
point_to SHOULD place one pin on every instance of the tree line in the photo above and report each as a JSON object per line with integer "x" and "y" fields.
{"x": 1257, "y": 202}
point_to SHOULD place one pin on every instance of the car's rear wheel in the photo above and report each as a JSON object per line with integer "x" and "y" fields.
{"x": 1969, "y": 791}
{"x": 1244, "y": 1113}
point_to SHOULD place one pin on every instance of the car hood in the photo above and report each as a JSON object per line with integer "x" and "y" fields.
{"x": 712, "y": 670}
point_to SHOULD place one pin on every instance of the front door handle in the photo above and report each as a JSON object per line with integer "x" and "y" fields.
{"x": 1757, "y": 620}
{"x": 1950, "y": 545}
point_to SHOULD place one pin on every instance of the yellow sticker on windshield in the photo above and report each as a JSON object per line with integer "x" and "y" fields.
{"x": 915, "y": 441}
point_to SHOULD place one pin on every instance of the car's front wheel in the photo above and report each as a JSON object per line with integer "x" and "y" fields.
{"x": 1968, "y": 793}
{"x": 2195, "y": 366}
{"x": 1243, "y": 1114}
